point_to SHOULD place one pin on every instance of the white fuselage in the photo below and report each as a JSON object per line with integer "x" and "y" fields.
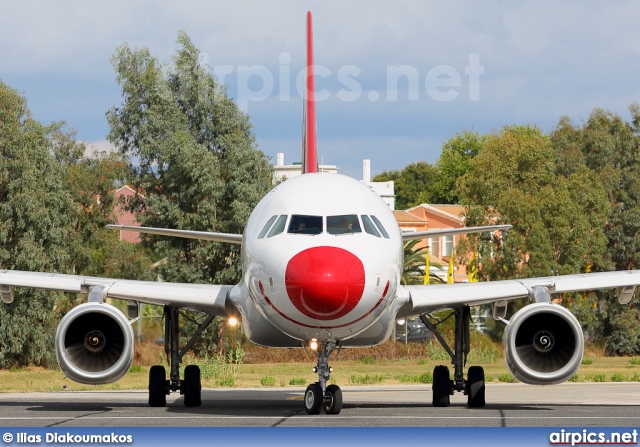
{"x": 322, "y": 257}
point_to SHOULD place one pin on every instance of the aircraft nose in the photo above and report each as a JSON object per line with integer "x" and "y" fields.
{"x": 325, "y": 283}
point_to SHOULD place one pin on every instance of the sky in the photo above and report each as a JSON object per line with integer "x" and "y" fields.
{"x": 395, "y": 78}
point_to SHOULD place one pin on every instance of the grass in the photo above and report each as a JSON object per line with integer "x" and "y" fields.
{"x": 352, "y": 367}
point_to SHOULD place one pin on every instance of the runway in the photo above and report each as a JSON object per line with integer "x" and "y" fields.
{"x": 508, "y": 405}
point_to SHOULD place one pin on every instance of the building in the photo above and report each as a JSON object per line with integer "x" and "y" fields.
{"x": 437, "y": 217}
{"x": 283, "y": 172}
{"x": 124, "y": 217}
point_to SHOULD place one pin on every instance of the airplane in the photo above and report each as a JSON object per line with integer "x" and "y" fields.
{"x": 321, "y": 260}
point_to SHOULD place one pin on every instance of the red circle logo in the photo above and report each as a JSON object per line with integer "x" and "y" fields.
{"x": 325, "y": 283}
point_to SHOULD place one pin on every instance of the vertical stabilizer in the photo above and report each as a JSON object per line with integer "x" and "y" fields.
{"x": 309, "y": 142}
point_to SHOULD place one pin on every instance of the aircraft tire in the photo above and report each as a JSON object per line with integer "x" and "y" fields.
{"x": 157, "y": 386}
{"x": 192, "y": 386}
{"x": 333, "y": 404}
{"x": 475, "y": 387}
{"x": 313, "y": 398}
{"x": 440, "y": 386}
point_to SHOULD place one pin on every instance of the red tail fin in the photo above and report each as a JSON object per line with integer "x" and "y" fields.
{"x": 309, "y": 142}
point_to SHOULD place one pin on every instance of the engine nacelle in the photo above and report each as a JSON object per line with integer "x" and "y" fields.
{"x": 543, "y": 344}
{"x": 94, "y": 344}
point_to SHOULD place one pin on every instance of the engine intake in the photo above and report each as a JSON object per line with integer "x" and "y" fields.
{"x": 543, "y": 344}
{"x": 94, "y": 344}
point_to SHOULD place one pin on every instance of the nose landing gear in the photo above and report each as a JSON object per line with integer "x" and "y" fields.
{"x": 318, "y": 395}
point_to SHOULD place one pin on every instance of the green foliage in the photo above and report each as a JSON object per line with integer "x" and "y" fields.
{"x": 298, "y": 381}
{"x": 426, "y": 377}
{"x": 368, "y": 360}
{"x": 624, "y": 330}
{"x": 487, "y": 353}
{"x": 586, "y": 362}
{"x": 137, "y": 369}
{"x": 227, "y": 381}
{"x": 437, "y": 352}
{"x": 198, "y": 164}
{"x": 37, "y": 219}
{"x": 453, "y": 163}
{"x": 366, "y": 379}
{"x": 594, "y": 377}
{"x": 507, "y": 378}
{"x": 268, "y": 381}
{"x": 415, "y": 264}
{"x": 619, "y": 377}
{"x": 557, "y": 222}
{"x": 412, "y": 185}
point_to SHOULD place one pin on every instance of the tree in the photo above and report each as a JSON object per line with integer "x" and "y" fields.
{"x": 558, "y": 222}
{"x": 609, "y": 148}
{"x": 412, "y": 184}
{"x": 455, "y": 161}
{"x": 198, "y": 165}
{"x": 37, "y": 219}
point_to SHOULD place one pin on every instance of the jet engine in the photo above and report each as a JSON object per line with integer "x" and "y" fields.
{"x": 543, "y": 344}
{"x": 94, "y": 344}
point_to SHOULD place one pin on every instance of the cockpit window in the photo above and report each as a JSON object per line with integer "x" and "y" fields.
{"x": 347, "y": 224}
{"x": 279, "y": 226}
{"x": 301, "y": 224}
{"x": 369, "y": 227}
{"x": 380, "y": 227}
{"x": 267, "y": 226}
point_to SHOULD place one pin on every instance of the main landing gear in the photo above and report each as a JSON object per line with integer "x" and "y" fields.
{"x": 443, "y": 386}
{"x": 318, "y": 395}
{"x": 190, "y": 386}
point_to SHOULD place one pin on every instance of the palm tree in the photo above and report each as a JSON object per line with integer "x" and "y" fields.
{"x": 414, "y": 265}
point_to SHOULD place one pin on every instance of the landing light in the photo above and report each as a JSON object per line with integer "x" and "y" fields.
{"x": 232, "y": 321}
{"x": 401, "y": 322}
{"x": 313, "y": 345}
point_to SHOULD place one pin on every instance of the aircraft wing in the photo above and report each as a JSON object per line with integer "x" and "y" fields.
{"x": 423, "y": 299}
{"x": 200, "y": 235}
{"x": 409, "y": 236}
{"x": 209, "y": 298}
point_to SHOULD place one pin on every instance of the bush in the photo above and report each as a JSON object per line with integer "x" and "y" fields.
{"x": 268, "y": 381}
{"x": 226, "y": 381}
{"x": 618, "y": 377}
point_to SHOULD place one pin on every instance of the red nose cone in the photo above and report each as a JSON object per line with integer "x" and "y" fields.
{"x": 325, "y": 283}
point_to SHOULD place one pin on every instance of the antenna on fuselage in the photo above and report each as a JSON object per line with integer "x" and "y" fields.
{"x": 309, "y": 141}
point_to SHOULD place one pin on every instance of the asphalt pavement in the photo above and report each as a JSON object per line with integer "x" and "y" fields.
{"x": 508, "y": 405}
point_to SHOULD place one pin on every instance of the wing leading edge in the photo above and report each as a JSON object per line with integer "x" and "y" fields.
{"x": 421, "y": 299}
{"x": 208, "y": 298}
{"x": 200, "y": 235}
{"x": 451, "y": 231}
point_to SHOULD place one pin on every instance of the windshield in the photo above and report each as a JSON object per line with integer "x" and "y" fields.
{"x": 347, "y": 224}
{"x": 301, "y": 224}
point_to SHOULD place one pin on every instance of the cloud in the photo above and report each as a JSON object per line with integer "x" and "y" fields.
{"x": 541, "y": 59}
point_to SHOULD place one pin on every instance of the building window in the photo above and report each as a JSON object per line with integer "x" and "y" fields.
{"x": 434, "y": 247}
{"x": 448, "y": 246}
